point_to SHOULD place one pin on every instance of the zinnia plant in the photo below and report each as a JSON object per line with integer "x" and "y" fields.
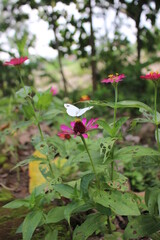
{"x": 154, "y": 77}
{"x": 114, "y": 79}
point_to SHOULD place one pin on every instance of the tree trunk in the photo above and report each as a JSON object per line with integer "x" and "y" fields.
{"x": 60, "y": 61}
{"x": 93, "y": 49}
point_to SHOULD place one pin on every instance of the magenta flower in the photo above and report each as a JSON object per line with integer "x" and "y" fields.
{"x": 53, "y": 91}
{"x": 16, "y": 61}
{"x": 80, "y": 128}
{"x": 153, "y": 76}
{"x": 113, "y": 78}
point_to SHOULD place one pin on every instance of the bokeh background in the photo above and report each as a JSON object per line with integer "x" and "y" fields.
{"x": 75, "y": 44}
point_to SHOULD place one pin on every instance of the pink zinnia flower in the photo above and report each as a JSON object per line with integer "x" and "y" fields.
{"x": 113, "y": 78}
{"x": 154, "y": 76}
{"x": 16, "y": 61}
{"x": 53, "y": 91}
{"x": 64, "y": 136}
{"x": 80, "y": 128}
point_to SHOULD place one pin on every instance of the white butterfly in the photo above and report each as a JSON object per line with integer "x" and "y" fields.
{"x": 74, "y": 111}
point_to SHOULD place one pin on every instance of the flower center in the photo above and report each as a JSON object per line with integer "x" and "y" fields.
{"x": 79, "y": 127}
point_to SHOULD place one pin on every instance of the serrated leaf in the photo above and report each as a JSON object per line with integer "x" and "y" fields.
{"x": 142, "y": 226}
{"x": 119, "y": 202}
{"x": 30, "y": 223}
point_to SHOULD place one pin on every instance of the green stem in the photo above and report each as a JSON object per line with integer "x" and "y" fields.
{"x": 92, "y": 164}
{"x": 84, "y": 142}
{"x": 19, "y": 73}
{"x": 115, "y": 102}
{"x": 50, "y": 167}
{"x": 155, "y": 114}
{"x": 40, "y": 130}
{"x": 109, "y": 225}
{"x": 115, "y": 85}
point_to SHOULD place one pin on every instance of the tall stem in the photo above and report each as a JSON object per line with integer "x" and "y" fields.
{"x": 92, "y": 164}
{"x": 155, "y": 114}
{"x": 115, "y": 103}
{"x": 114, "y": 122}
{"x": 85, "y": 145}
{"x": 20, "y": 77}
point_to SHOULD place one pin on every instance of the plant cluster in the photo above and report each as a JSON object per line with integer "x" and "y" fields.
{"x": 84, "y": 192}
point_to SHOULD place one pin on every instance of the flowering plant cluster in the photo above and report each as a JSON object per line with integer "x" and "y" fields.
{"x": 89, "y": 189}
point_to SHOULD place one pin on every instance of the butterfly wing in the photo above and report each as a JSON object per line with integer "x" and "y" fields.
{"x": 71, "y": 110}
{"x": 83, "y": 110}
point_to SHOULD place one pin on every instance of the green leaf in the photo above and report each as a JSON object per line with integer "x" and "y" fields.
{"x": 17, "y": 204}
{"x": 152, "y": 200}
{"x": 55, "y": 215}
{"x": 42, "y": 100}
{"x": 52, "y": 235}
{"x": 106, "y": 146}
{"x": 142, "y": 226}
{"x": 134, "y": 152}
{"x": 22, "y": 93}
{"x": 30, "y": 223}
{"x": 119, "y": 123}
{"x": 105, "y": 126}
{"x": 28, "y": 110}
{"x": 85, "y": 181}
{"x": 119, "y": 202}
{"x": 93, "y": 223}
{"x": 64, "y": 190}
{"x": 72, "y": 208}
{"x": 122, "y": 104}
{"x": 51, "y": 114}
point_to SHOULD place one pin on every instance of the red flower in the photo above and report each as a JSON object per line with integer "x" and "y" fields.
{"x": 85, "y": 98}
{"x": 153, "y": 76}
{"x": 64, "y": 136}
{"x": 79, "y": 127}
{"x": 15, "y": 61}
{"x": 113, "y": 78}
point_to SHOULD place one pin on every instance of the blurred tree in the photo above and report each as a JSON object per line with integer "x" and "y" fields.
{"x": 134, "y": 9}
{"x": 15, "y": 41}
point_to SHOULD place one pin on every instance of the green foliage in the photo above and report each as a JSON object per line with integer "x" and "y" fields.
{"x": 120, "y": 203}
{"x": 30, "y": 223}
{"x": 93, "y": 223}
{"x": 142, "y": 226}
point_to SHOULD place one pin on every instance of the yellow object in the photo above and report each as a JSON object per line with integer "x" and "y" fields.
{"x": 35, "y": 176}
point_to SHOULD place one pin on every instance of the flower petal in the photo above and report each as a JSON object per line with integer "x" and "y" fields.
{"x": 84, "y": 120}
{"x": 66, "y": 129}
{"x": 72, "y": 124}
{"x": 85, "y": 135}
